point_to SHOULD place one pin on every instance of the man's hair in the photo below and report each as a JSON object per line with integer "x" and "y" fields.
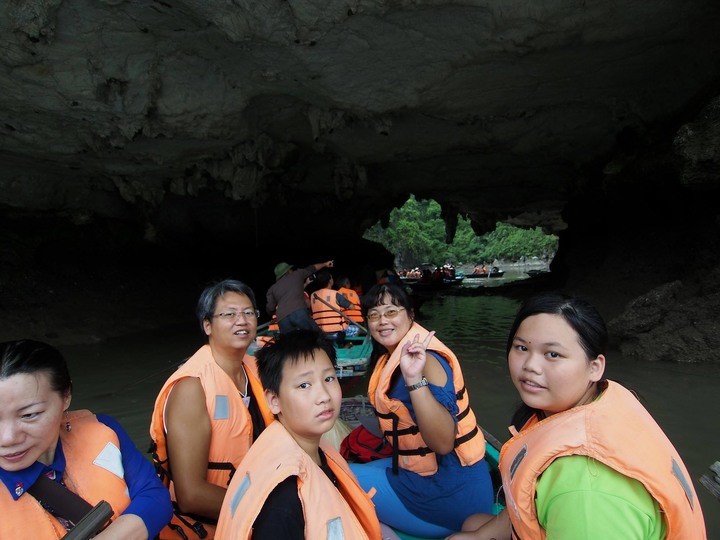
{"x": 208, "y": 299}
{"x": 322, "y": 278}
{"x": 290, "y": 347}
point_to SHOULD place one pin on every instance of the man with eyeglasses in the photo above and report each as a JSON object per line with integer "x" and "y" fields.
{"x": 210, "y": 411}
{"x": 286, "y": 297}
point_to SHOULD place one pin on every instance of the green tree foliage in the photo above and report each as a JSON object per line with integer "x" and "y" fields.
{"x": 416, "y": 234}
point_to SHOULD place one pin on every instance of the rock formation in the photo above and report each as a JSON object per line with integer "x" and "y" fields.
{"x": 162, "y": 136}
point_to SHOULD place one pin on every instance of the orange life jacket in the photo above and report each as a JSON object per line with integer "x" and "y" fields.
{"x": 397, "y": 423}
{"x": 616, "y": 430}
{"x": 274, "y": 326}
{"x": 232, "y": 429}
{"x": 345, "y": 511}
{"x": 354, "y": 313}
{"x": 327, "y": 318}
{"x": 88, "y": 440}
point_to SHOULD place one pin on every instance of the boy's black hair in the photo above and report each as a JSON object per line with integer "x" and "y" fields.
{"x": 290, "y": 346}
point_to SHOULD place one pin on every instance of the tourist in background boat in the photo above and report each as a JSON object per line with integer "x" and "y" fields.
{"x": 76, "y": 452}
{"x": 210, "y": 410}
{"x": 292, "y": 486}
{"x": 328, "y": 307}
{"x": 286, "y": 297}
{"x": 273, "y": 325}
{"x": 586, "y": 459}
{"x": 437, "y": 476}
{"x": 343, "y": 286}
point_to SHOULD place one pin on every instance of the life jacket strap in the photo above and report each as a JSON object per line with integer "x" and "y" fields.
{"x": 462, "y": 414}
{"x": 465, "y": 438}
{"x": 222, "y": 466}
{"x": 162, "y": 467}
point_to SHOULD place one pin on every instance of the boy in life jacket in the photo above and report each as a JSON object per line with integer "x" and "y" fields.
{"x": 292, "y": 485}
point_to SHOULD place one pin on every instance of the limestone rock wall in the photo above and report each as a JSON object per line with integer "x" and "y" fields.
{"x": 186, "y": 127}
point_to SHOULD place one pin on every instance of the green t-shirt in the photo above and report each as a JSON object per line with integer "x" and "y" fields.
{"x": 578, "y": 497}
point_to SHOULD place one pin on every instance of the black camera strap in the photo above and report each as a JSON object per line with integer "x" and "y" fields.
{"x": 64, "y": 502}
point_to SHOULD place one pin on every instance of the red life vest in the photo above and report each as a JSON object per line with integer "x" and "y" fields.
{"x": 361, "y": 446}
{"x": 617, "y": 431}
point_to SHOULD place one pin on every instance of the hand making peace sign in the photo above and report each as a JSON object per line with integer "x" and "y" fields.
{"x": 413, "y": 358}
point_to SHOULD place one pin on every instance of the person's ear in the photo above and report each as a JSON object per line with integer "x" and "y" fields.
{"x": 66, "y": 401}
{"x": 273, "y": 402}
{"x": 597, "y": 368}
{"x": 207, "y": 327}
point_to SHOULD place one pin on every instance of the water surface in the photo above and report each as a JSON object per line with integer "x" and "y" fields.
{"x": 121, "y": 377}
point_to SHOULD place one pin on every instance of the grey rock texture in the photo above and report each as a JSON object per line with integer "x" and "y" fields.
{"x": 156, "y": 137}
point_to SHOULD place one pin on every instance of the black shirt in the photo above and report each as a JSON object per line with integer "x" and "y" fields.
{"x": 282, "y": 514}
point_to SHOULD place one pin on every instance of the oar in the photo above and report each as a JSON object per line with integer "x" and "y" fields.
{"x": 489, "y": 437}
{"x": 271, "y": 321}
{"x": 266, "y": 325}
{"x": 341, "y": 313}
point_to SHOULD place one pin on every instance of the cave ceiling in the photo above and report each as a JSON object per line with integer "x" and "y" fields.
{"x": 197, "y": 116}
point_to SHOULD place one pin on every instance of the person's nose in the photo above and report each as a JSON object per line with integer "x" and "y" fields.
{"x": 533, "y": 362}
{"x": 9, "y": 434}
{"x": 323, "y": 394}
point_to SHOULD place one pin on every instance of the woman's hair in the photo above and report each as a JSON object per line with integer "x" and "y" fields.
{"x": 582, "y": 317}
{"x": 290, "y": 347}
{"x": 26, "y": 356}
{"x": 208, "y": 299}
{"x": 580, "y": 314}
{"x": 398, "y": 297}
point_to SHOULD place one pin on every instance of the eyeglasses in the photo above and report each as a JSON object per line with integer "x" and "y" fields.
{"x": 389, "y": 314}
{"x": 233, "y": 315}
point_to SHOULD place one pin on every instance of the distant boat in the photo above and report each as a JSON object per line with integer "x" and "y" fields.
{"x": 494, "y": 272}
{"x": 434, "y": 285}
{"x": 430, "y": 277}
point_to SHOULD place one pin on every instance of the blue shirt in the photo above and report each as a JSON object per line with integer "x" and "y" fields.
{"x": 454, "y": 492}
{"x": 149, "y": 498}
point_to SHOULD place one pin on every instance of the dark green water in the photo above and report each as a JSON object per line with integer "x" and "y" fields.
{"x": 121, "y": 377}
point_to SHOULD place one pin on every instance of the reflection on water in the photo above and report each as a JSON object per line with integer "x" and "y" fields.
{"x": 476, "y": 330}
{"x": 121, "y": 377}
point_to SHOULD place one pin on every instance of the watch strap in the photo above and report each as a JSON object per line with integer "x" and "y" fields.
{"x": 419, "y": 384}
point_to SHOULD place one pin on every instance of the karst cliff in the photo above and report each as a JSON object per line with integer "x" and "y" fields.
{"x": 176, "y": 140}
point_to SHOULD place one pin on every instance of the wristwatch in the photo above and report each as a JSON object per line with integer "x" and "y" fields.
{"x": 411, "y": 387}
